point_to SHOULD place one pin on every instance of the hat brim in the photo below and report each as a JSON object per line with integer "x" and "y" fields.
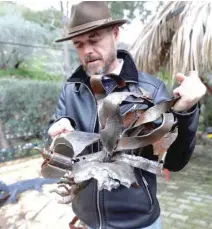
{"x": 105, "y": 25}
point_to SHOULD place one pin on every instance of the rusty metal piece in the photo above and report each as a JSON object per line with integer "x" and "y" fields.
{"x": 128, "y": 121}
{"x": 110, "y": 175}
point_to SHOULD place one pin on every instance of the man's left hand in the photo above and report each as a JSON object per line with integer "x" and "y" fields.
{"x": 191, "y": 90}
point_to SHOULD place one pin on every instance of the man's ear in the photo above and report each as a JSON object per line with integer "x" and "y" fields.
{"x": 116, "y": 32}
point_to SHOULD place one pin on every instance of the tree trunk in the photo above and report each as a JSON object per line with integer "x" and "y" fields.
{"x": 67, "y": 67}
{"x": 17, "y": 64}
{"x": 3, "y": 142}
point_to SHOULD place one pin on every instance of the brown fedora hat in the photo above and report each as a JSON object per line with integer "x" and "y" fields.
{"x": 87, "y": 16}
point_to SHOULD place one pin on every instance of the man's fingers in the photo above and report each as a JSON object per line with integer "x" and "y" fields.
{"x": 193, "y": 74}
{"x": 191, "y": 90}
{"x": 176, "y": 92}
{"x": 180, "y": 77}
{"x": 179, "y": 106}
{"x": 68, "y": 128}
{"x": 54, "y": 130}
{"x": 68, "y": 131}
{"x": 62, "y": 126}
{"x": 64, "y": 131}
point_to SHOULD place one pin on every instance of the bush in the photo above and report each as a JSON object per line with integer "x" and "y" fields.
{"x": 26, "y": 106}
{"x": 22, "y": 73}
{"x": 208, "y": 111}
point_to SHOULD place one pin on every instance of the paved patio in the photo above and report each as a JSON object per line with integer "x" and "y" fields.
{"x": 186, "y": 200}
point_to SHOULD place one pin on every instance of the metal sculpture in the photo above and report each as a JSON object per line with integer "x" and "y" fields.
{"x": 128, "y": 122}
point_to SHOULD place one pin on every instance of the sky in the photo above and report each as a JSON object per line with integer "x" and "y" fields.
{"x": 41, "y": 4}
{"x": 127, "y": 35}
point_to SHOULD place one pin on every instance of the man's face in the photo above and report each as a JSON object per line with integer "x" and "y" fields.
{"x": 97, "y": 50}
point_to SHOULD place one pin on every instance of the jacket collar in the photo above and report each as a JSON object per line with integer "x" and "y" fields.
{"x": 129, "y": 72}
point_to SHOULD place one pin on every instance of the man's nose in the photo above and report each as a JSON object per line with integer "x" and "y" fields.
{"x": 87, "y": 50}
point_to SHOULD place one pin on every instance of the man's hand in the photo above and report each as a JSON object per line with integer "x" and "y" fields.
{"x": 191, "y": 90}
{"x": 61, "y": 126}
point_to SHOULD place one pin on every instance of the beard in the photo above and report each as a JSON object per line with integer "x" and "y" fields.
{"x": 94, "y": 67}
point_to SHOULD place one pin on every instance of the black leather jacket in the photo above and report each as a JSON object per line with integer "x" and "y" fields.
{"x": 124, "y": 208}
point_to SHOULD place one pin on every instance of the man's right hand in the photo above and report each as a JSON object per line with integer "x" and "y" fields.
{"x": 61, "y": 126}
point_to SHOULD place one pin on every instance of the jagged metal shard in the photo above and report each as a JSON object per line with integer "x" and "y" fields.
{"x": 76, "y": 141}
{"x": 128, "y": 121}
{"x": 109, "y": 175}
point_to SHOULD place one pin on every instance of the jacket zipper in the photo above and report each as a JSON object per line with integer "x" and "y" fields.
{"x": 98, "y": 197}
{"x": 98, "y": 204}
{"x": 147, "y": 188}
{"x": 99, "y": 211}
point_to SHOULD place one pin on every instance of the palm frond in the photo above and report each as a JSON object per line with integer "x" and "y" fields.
{"x": 178, "y": 38}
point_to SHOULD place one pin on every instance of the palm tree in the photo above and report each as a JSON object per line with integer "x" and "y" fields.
{"x": 178, "y": 39}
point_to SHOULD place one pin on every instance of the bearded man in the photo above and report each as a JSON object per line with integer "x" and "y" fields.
{"x": 95, "y": 36}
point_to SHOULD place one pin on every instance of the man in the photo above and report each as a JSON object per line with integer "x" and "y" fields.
{"x": 95, "y": 36}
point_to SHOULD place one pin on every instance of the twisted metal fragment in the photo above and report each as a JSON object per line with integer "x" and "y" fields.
{"x": 128, "y": 121}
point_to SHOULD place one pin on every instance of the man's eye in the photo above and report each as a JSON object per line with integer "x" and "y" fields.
{"x": 93, "y": 42}
{"x": 78, "y": 46}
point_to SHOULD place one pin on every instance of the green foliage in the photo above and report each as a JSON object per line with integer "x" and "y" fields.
{"x": 208, "y": 111}
{"x": 27, "y": 106}
{"x": 5, "y": 6}
{"x": 21, "y": 150}
{"x": 50, "y": 18}
{"x": 24, "y": 36}
{"x": 166, "y": 77}
{"x": 117, "y": 9}
{"x": 131, "y": 9}
{"x": 18, "y": 31}
{"x": 24, "y": 73}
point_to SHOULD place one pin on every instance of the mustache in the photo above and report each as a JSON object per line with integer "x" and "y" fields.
{"x": 90, "y": 58}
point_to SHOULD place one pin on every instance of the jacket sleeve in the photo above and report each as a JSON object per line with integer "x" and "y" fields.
{"x": 182, "y": 148}
{"x": 61, "y": 110}
{"x": 59, "y": 113}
